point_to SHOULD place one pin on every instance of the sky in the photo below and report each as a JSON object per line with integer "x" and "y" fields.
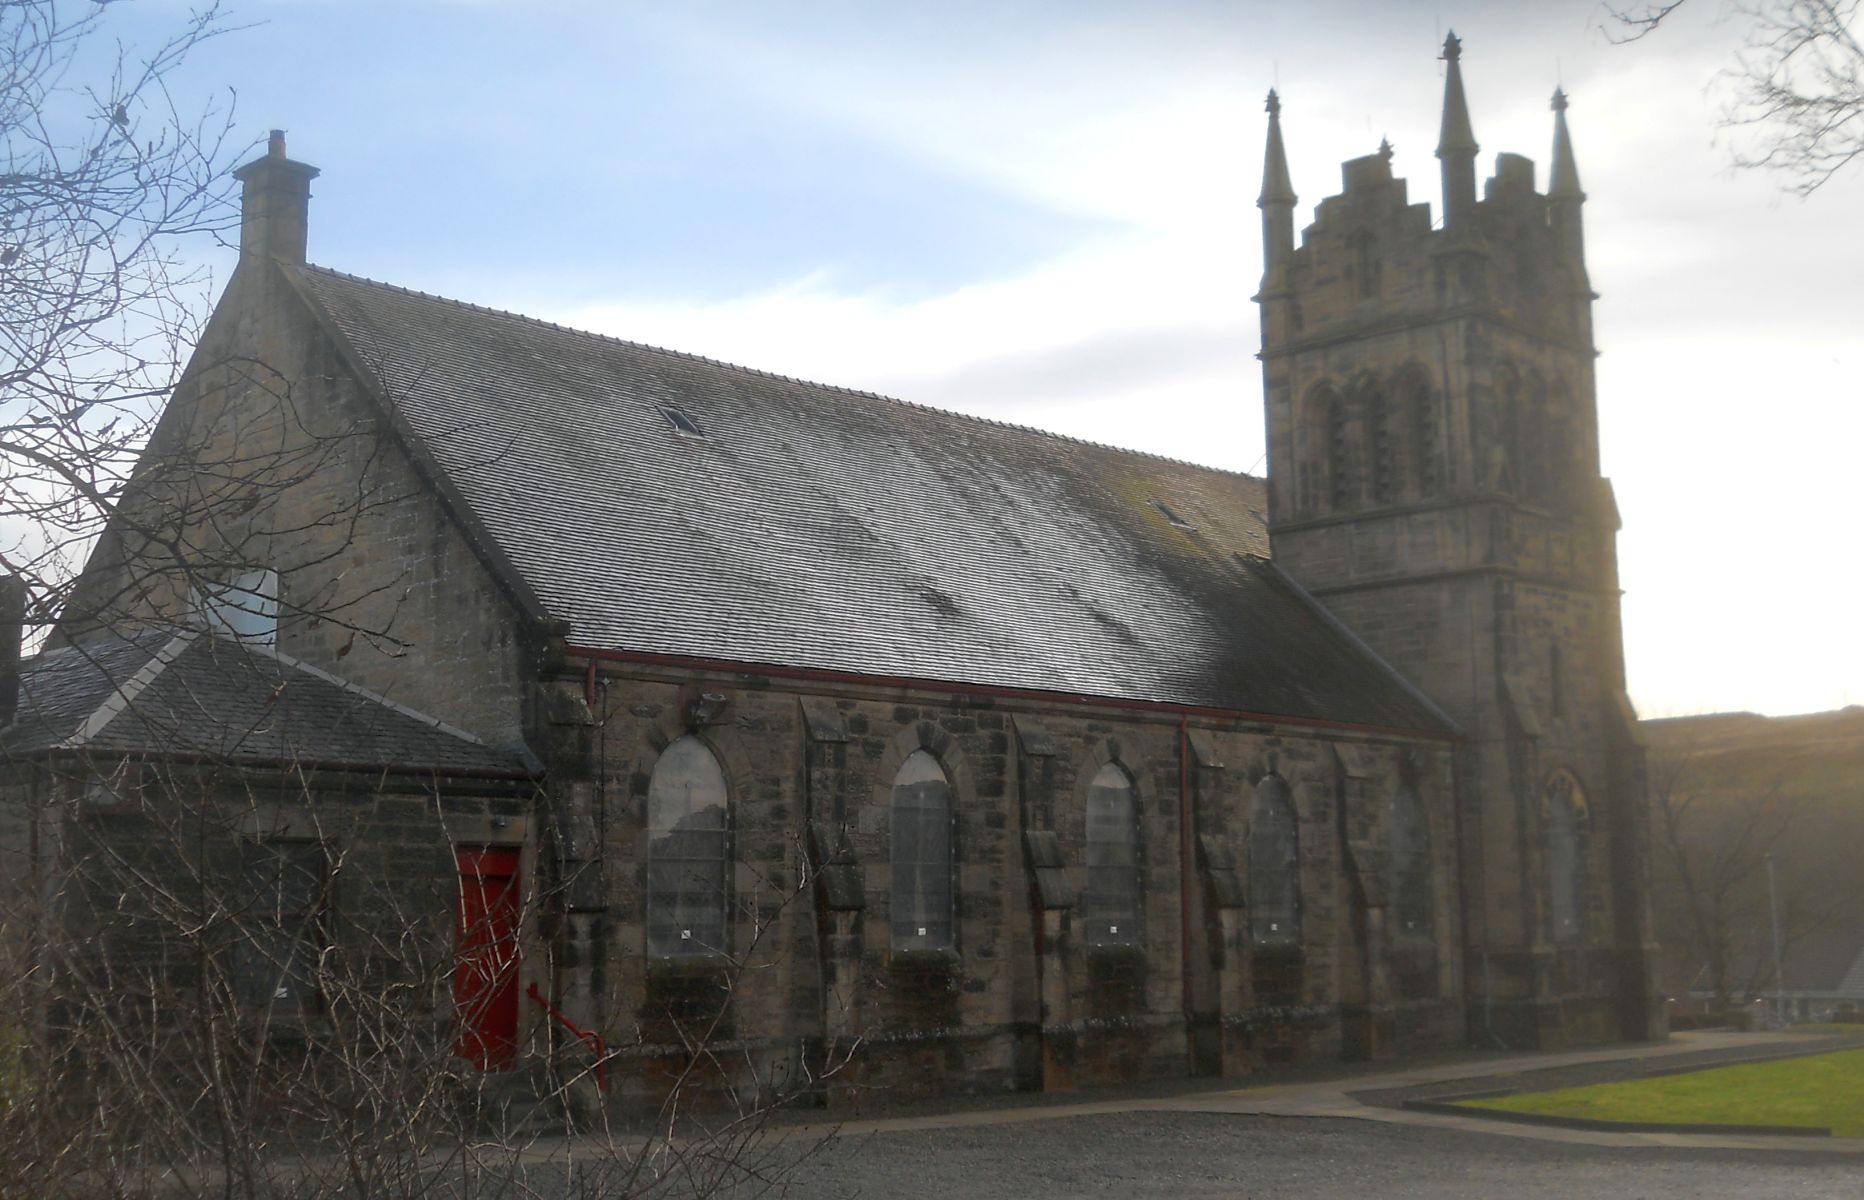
{"x": 1043, "y": 211}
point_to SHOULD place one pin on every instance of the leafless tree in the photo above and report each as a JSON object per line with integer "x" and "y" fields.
{"x": 1796, "y": 89}
{"x": 211, "y": 1021}
{"x": 1711, "y": 892}
{"x": 144, "y": 1045}
{"x": 109, "y": 179}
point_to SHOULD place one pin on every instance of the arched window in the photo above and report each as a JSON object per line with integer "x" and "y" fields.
{"x": 1110, "y": 905}
{"x": 1413, "y": 900}
{"x": 687, "y": 855}
{"x": 1274, "y": 865}
{"x": 1563, "y": 806}
{"x": 921, "y": 855}
{"x": 1316, "y": 448}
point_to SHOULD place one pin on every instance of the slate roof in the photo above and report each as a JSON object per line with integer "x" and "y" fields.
{"x": 185, "y": 693}
{"x": 817, "y": 527}
{"x": 1828, "y": 961}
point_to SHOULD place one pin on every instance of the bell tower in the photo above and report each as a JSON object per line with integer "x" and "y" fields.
{"x": 1434, "y": 481}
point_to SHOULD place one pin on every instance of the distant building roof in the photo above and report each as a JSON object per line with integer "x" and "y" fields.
{"x": 183, "y": 693}
{"x": 664, "y": 503}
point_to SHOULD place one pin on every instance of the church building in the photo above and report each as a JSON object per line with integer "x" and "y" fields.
{"x": 859, "y": 740}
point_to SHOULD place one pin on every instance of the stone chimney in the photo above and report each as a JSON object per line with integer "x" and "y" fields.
{"x": 12, "y": 634}
{"x": 275, "y": 203}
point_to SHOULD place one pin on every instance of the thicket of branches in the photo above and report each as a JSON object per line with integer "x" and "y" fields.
{"x": 1796, "y": 87}
{"x": 138, "y": 1056}
{"x": 184, "y": 1012}
{"x": 110, "y": 183}
{"x": 1712, "y": 836}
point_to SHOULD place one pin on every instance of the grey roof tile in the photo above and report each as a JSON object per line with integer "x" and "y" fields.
{"x": 818, "y": 527}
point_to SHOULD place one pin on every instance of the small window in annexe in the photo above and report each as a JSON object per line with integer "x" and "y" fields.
{"x": 920, "y": 854}
{"x": 1110, "y": 903}
{"x": 1274, "y": 865}
{"x": 687, "y": 852}
{"x": 284, "y": 926}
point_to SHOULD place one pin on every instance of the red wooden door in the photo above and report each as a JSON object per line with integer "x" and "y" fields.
{"x": 485, "y": 966}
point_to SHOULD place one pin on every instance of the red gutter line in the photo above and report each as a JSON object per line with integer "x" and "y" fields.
{"x": 827, "y": 675}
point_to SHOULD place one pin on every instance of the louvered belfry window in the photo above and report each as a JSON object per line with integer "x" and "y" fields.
{"x": 1274, "y": 865}
{"x": 1110, "y": 904}
{"x": 921, "y": 855}
{"x": 688, "y": 836}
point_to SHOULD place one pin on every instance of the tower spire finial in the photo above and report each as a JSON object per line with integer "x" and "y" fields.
{"x": 1563, "y": 180}
{"x": 1456, "y": 141}
{"x": 1277, "y": 188}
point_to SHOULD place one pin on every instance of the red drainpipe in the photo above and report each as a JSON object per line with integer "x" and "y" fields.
{"x": 1184, "y": 869}
{"x": 587, "y": 1037}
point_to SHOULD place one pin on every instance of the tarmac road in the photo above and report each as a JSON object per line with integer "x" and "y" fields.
{"x": 1135, "y": 1155}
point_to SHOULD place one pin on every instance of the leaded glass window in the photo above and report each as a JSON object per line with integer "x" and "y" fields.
{"x": 1413, "y": 902}
{"x": 1274, "y": 865}
{"x": 1564, "y": 807}
{"x": 920, "y": 855}
{"x": 687, "y": 852}
{"x": 1110, "y": 904}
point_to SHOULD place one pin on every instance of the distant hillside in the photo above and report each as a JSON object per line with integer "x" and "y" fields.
{"x": 1744, "y": 754}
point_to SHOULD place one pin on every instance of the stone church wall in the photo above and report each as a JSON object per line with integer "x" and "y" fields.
{"x": 1020, "y": 1001}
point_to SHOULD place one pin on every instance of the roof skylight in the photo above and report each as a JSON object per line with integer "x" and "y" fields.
{"x": 1171, "y": 516}
{"x": 682, "y": 421}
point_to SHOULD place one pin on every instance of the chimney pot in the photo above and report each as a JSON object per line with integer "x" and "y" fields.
{"x": 275, "y": 202}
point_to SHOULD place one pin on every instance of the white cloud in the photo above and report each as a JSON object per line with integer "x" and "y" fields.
{"x": 1728, "y": 387}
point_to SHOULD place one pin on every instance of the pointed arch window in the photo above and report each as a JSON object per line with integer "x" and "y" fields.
{"x": 920, "y": 852}
{"x": 1274, "y": 865}
{"x": 1110, "y": 904}
{"x": 1565, "y": 820}
{"x": 1413, "y": 898}
{"x": 1321, "y": 435}
{"x": 687, "y": 852}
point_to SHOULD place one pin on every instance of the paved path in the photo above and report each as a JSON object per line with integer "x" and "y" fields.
{"x": 1298, "y": 1137}
{"x": 1347, "y": 1097}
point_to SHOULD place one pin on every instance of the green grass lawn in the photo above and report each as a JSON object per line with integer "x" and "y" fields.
{"x": 1825, "y": 1090}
